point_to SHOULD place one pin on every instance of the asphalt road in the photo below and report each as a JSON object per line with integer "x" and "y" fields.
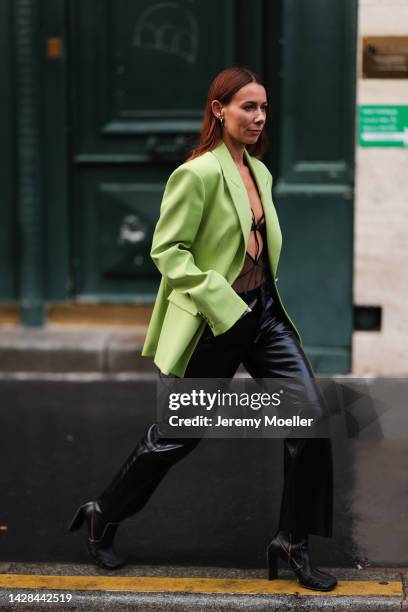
{"x": 63, "y": 438}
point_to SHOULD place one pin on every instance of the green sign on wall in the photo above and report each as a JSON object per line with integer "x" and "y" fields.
{"x": 383, "y": 126}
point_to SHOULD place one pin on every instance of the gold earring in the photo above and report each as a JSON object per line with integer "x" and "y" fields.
{"x": 221, "y": 119}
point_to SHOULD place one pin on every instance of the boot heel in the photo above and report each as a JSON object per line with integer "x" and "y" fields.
{"x": 77, "y": 521}
{"x": 272, "y": 564}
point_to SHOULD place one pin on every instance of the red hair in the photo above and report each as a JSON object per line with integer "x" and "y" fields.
{"x": 223, "y": 88}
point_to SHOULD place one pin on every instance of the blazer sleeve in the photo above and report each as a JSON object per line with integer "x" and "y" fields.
{"x": 181, "y": 212}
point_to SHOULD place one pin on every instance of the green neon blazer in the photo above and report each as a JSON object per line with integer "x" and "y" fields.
{"x": 199, "y": 246}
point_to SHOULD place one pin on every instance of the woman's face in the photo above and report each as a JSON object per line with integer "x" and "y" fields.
{"x": 245, "y": 115}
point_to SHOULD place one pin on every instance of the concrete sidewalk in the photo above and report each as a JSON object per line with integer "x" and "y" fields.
{"x": 73, "y": 348}
{"x": 187, "y": 588}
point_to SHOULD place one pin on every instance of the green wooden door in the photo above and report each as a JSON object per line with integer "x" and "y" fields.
{"x": 314, "y": 187}
{"x": 139, "y": 75}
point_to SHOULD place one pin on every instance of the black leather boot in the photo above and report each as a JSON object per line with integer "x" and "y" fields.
{"x": 100, "y": 535}
{"x": 128, "y": 492}
{"x": 142, "y": 472}
{"x": 296, "y": 554}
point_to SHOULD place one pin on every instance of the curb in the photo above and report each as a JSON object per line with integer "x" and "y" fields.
{"x": 172, "y": 588}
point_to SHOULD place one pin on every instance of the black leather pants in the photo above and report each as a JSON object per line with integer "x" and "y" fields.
{"x": 267, "y": 347}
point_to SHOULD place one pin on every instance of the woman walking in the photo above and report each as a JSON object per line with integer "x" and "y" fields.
{"x": 217, "y": 246}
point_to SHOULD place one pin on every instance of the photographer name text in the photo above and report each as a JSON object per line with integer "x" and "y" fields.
{"x": 266, "y": 421}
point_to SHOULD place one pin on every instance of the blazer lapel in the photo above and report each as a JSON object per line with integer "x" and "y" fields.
{"x": 240, "y": 197}
{"x": 236, "y": 188}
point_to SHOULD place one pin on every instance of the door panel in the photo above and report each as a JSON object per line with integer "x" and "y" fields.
{"x": 139, "y": 79}
{"x": 119, "y": 213}
{"x": 314, "y": 181}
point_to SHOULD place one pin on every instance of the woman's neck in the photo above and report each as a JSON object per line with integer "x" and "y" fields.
{"x": 236, "y": 150}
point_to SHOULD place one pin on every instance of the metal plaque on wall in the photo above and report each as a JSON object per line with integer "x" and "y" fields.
{"x": 385, "y": 57}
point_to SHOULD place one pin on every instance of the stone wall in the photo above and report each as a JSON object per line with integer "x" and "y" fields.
{"x": 381, "y": 213}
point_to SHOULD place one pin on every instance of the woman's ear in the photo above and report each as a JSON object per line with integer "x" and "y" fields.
{"x": 216, "y": 108}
